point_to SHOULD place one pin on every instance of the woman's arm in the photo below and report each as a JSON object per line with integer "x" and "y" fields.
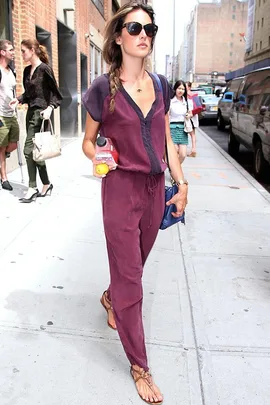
{"x": 89, "y": 140}
{"x": 180, "y": 199}
{"x": 55, "y": 96}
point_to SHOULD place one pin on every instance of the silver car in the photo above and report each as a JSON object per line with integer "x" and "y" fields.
{"x": 210, "y": 106}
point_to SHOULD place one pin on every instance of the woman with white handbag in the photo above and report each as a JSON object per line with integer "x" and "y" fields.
{"x": 42, "y": 95}
{"x": 180, "y": 114}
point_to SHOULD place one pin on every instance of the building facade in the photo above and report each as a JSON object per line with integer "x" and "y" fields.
{"x": 214, "y": 40}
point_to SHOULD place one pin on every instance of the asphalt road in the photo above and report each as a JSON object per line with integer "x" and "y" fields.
{"x": 221, "y": 138}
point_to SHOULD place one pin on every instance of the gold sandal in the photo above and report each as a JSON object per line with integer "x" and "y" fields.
{"x": 106, "y": 303}
{"x": 147, "y": 378}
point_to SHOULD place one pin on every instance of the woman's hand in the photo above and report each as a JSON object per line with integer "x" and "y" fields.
{"x": 13, "y": 103}
{"x": 46, "y": 114}
{"x": 180, "y": 200}
{"x": 189, "y": 114}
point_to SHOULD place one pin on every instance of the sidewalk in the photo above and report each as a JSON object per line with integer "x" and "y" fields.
{"x": 206, "y": 288}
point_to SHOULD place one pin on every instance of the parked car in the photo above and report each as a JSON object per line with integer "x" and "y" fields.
{"x": 225, "y": 103}
{"x": 250, "y": 120}
{"x": 210, "y": 106}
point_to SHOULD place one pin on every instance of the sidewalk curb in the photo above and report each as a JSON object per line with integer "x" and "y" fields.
{"x": 264, "y": 193}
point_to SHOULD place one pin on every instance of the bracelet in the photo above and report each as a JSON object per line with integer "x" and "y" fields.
{"x": 181, "y": 182}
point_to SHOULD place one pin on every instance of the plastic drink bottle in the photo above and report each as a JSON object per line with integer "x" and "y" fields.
{"x": 106, "y": 154}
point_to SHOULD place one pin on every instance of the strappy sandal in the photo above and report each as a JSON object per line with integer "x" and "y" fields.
{"x": 192, "y": 154}
{"x": 108, "y": 308}
{"x": 147, "y": 378}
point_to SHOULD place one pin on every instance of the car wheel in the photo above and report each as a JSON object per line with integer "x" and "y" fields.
{"x": 233, "y": 144}
{"x": 260, "y": 165}
{"x": 220, "y": 122}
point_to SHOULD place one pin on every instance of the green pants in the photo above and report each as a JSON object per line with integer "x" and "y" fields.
{"x": 33, "y": 125}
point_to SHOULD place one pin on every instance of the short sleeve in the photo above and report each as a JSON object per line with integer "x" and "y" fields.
{"x": 168, "y": 92}
{"x": 93, "y": 99}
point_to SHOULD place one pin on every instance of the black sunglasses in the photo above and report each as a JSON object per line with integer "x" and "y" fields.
{"x": 135, "y": 28}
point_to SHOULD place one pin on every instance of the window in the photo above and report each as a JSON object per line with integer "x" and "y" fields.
{"x": 259, "y": 3}
{"x": 260, "y": 44}
{"x": 232, "y": 34}
{"x": 99, "y": 5}
{"x": 262, "y": 21}
{"x": 95, "y": 62}
{"x": 230, "y": 53}
{"x": 231, "y": 44}
{"x": 230, "y": 62}
{"x": 234, "y": 8}
{"x": 258, "y": 25}
{"x": 233, "y": 16}
{"x": 256, "y": 46}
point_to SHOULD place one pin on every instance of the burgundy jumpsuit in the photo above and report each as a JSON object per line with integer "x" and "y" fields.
{"x": 132, "y": 200}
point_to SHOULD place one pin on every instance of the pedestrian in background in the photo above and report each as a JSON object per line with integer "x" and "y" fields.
{"x": 180, "y": 108}
{"x": 196, "y": 109}
{"x": 42, "y": 95}
{"x": 128, "y": 106}
{"x": 9, "y": 127}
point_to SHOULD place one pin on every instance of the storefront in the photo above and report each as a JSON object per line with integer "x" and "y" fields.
{"x": 6, "y": 19}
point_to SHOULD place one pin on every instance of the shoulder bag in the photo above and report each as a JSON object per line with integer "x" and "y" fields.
{"x": 46, "y": 144}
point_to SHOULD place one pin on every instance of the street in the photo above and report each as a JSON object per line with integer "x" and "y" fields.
{"x": 221, "y": 138}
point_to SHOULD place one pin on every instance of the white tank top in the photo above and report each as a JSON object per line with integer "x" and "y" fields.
{"x": 7, "y": 87}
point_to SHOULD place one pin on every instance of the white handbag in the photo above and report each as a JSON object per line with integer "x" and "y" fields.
{"x": 188, "y": 125}
{"x": 46, "y": 144}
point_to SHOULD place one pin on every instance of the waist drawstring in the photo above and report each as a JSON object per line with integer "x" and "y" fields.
{"x": 151, "y": 184}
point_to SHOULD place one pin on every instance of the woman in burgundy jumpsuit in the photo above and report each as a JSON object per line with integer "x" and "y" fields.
{"x": 128, "y": 106}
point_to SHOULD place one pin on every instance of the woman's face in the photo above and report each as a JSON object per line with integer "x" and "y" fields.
{"x": 135, "y": 45}
{"x": 26, "y": 53}
{"x": 180, "y": 91}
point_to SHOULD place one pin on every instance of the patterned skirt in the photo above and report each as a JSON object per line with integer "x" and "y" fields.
{"x": 179, "y": 136}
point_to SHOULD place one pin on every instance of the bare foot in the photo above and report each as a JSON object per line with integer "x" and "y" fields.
{"x": 108, "y": 306}
{"x": 145, "y": 385}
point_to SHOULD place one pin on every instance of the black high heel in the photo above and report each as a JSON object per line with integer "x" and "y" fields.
{"x": 30, "y": 199}
{"x": 48, "y": 191}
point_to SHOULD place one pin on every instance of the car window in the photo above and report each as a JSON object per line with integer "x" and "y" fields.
{"x": 234, "y": 86}
{"x": 252, "y": 91}
{"x": 210, "y": 99}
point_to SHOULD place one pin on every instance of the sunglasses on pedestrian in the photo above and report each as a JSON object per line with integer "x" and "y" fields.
{"x": 135, "y": 28}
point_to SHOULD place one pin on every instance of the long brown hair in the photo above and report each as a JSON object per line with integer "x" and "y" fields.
{"x": 112, "y": 53}
{"x": 41, "y": 51}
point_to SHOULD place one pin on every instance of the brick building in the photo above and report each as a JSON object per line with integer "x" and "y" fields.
{"x": 214, "y": 44}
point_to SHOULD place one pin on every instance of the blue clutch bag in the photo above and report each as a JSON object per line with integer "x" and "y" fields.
{"x": 168, "y": 219}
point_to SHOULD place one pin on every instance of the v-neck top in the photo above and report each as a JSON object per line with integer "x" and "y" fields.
{"x": 41, "y": 89}
{"x": 139, "y": 140}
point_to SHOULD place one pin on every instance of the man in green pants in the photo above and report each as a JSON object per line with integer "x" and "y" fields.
{"x": 9, "y": 127}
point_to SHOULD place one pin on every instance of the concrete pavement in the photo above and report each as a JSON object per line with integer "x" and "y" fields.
{"x": 206, "y": 287}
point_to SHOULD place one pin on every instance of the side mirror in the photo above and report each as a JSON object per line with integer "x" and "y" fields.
{"x": 218, "y": 92}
